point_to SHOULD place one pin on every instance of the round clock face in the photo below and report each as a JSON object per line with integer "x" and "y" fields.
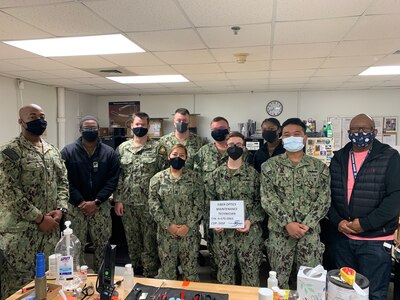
{"x": 274, "y": 108}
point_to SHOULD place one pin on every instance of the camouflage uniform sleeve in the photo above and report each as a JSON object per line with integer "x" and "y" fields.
{"x": 118, "y": 192}
{"x": 162, "y": 158}
{"x": 320, "y": 208}
{"x": 197, "y": 211}
{"x": 62, "y": 183}
{"x": 155, "y": 205}
{"x": 210, "y": 193}
{"x": 256, "y": 214}
{"x": 20, "y": 204}
{"x": 197, "y": 162}
{"x": 270, "y": 200}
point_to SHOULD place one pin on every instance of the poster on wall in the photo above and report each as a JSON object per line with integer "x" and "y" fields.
{"x": 390, "y": 125}
{"x": 120, "y": 113}
{"x": 321, "y": 148}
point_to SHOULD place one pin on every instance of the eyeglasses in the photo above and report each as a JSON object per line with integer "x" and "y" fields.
{"x": 90, "y": 128}
{"x": 237, "y": 145}
{"x": 363, "y": 129}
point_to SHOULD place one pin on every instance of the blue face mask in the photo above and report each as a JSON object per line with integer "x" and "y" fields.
{"x": 293, "y": 143}
{"x": 362, "y": 139}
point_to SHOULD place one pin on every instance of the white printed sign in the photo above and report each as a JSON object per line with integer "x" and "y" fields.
{"x": 227, "y": 214}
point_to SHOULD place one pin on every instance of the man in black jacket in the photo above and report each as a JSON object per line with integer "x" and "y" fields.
{"x": 365, "y": 204}
{"x": 93, "y": 171}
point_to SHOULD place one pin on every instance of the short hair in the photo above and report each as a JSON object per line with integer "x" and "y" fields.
{"x": 219, "y": 119}
{"x": 182, "y": 111}
{"x": 273, "y": 121}
{"x": 176, "y": 146}
{"x": 88, "y": 118}
{"x": 235, "y": 134}
{"x": 294, "y": 121}
{"x": 142, "y": 116}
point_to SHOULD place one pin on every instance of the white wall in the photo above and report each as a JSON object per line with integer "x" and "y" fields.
{"x": 9, "y": 110}
{"x": 76, "y": 106}
{"x": 235, "y": 107}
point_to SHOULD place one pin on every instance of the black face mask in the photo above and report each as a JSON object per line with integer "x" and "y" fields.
{"x": 219, "y": 134}
{"x": 177, "y": 163}
{"x": 36, "y": 127}
{"x": 90, "y": 135}
{"x": 269, "y": 135}
{"x": 234, "y": 152}
{"x": 182, "y": 127}
{"x": 140, "y": 131}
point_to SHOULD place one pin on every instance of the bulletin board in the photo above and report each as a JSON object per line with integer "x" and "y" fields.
{"x": 387, "y": 127}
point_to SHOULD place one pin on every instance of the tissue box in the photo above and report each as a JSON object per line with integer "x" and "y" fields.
{"x": 311, "y": 287}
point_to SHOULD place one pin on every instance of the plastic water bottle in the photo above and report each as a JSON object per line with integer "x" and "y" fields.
{"x": 128, "y": 278}
{"x": 329, "y": 132}
{"x": 272, "y": 280}
{"x": 69, "y": 248}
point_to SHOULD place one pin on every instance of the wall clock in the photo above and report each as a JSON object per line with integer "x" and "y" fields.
{"x": 274, "y": 108}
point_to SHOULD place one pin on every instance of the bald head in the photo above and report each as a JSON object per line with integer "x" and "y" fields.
{"x": 362, "y": 121}
{"x": 31, "y": 112}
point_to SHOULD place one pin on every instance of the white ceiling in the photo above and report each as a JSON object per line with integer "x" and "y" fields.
{"x": 293, "y": 45}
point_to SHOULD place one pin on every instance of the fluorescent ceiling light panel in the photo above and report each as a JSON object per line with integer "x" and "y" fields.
{"x": 382, "y": 70}
{"x": 148, "y": 79}
{"x": 82, "y": 45}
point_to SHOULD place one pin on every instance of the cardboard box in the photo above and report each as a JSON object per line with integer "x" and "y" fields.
{"x": 311, "y": 286}
{"x": 52, "y": 292}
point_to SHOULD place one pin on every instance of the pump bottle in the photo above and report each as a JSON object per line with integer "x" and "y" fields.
{"x": 68, "y": 261}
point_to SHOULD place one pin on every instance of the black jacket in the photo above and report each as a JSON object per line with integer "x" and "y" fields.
{"x": 262, "y": 155}
{"x": 90, "y": 178}
{"x": 375, "y": 199}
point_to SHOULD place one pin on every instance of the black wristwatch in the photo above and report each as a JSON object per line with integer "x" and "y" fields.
{"x": 97, "y": 202}
{"x": 62, "y": 209}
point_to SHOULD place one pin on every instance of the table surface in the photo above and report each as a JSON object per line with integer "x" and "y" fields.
{"x": 235, "y": 292}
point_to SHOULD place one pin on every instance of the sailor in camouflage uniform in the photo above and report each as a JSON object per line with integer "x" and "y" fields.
{"x": 182, "y": 135}
{"x": 206, "y": 160}
{"x": 140, "y": 159}
{"x": 237, "y": 180}
{"x": 176, "y": 202}
{"x": 34, "y": 195}
{"x": 295, "y": 192}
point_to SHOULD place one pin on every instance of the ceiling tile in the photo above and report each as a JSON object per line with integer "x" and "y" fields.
{"x": 152, "y": 70}
{"x": 5, "y": 66}
{"x": 293, "y": 10}
{"x": 329, "y": 79}
{"x": 317, "y": 31}
{"x": 63, "y": 19}
{"x": 16, "y": 3}
{"x": 58, "y": 81}
{"x": 255, "y": 53}
{"x": 70, "y": 73}
{"x": 133, "y": 59}
{"x": 302, "y": 50}
{"x": 168, "y": 40}
{"x": 248, "y": 75}
{"x": 366, "y": 47}
{"x": 39, "y": 63}
{"x": 351, "y": 61}
{"x": 13, "y": 29}
{"x": 249, "y": 35}
{"x": 185, "y": 57}
{"x": 85, "y": 62}
{"x": 93, "y": 80}
{"x": 296, "y": 64}
{"x": 246, "y": 67}
{"x": 292, "y": 73}
{"x": 227, "y": 12}
{"x": 197, "y": 68}
{"x": 214, "y": 83}
{"x": 375, "y": 27}
{"x": 31, "y": 74}
{"x": 287, "y": 81}
{"x": 384, "y": 7}
{"x": 207, "y": 77}
{"x": 393, "y": 59}
{"x": 339, "y": 72}
{"x": 251, "y": 82}
{"x": 140, "y": 15}
{"x": 9, "y": 52}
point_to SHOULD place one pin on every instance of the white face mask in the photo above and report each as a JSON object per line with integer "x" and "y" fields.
{"x": 293, "y": 143}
